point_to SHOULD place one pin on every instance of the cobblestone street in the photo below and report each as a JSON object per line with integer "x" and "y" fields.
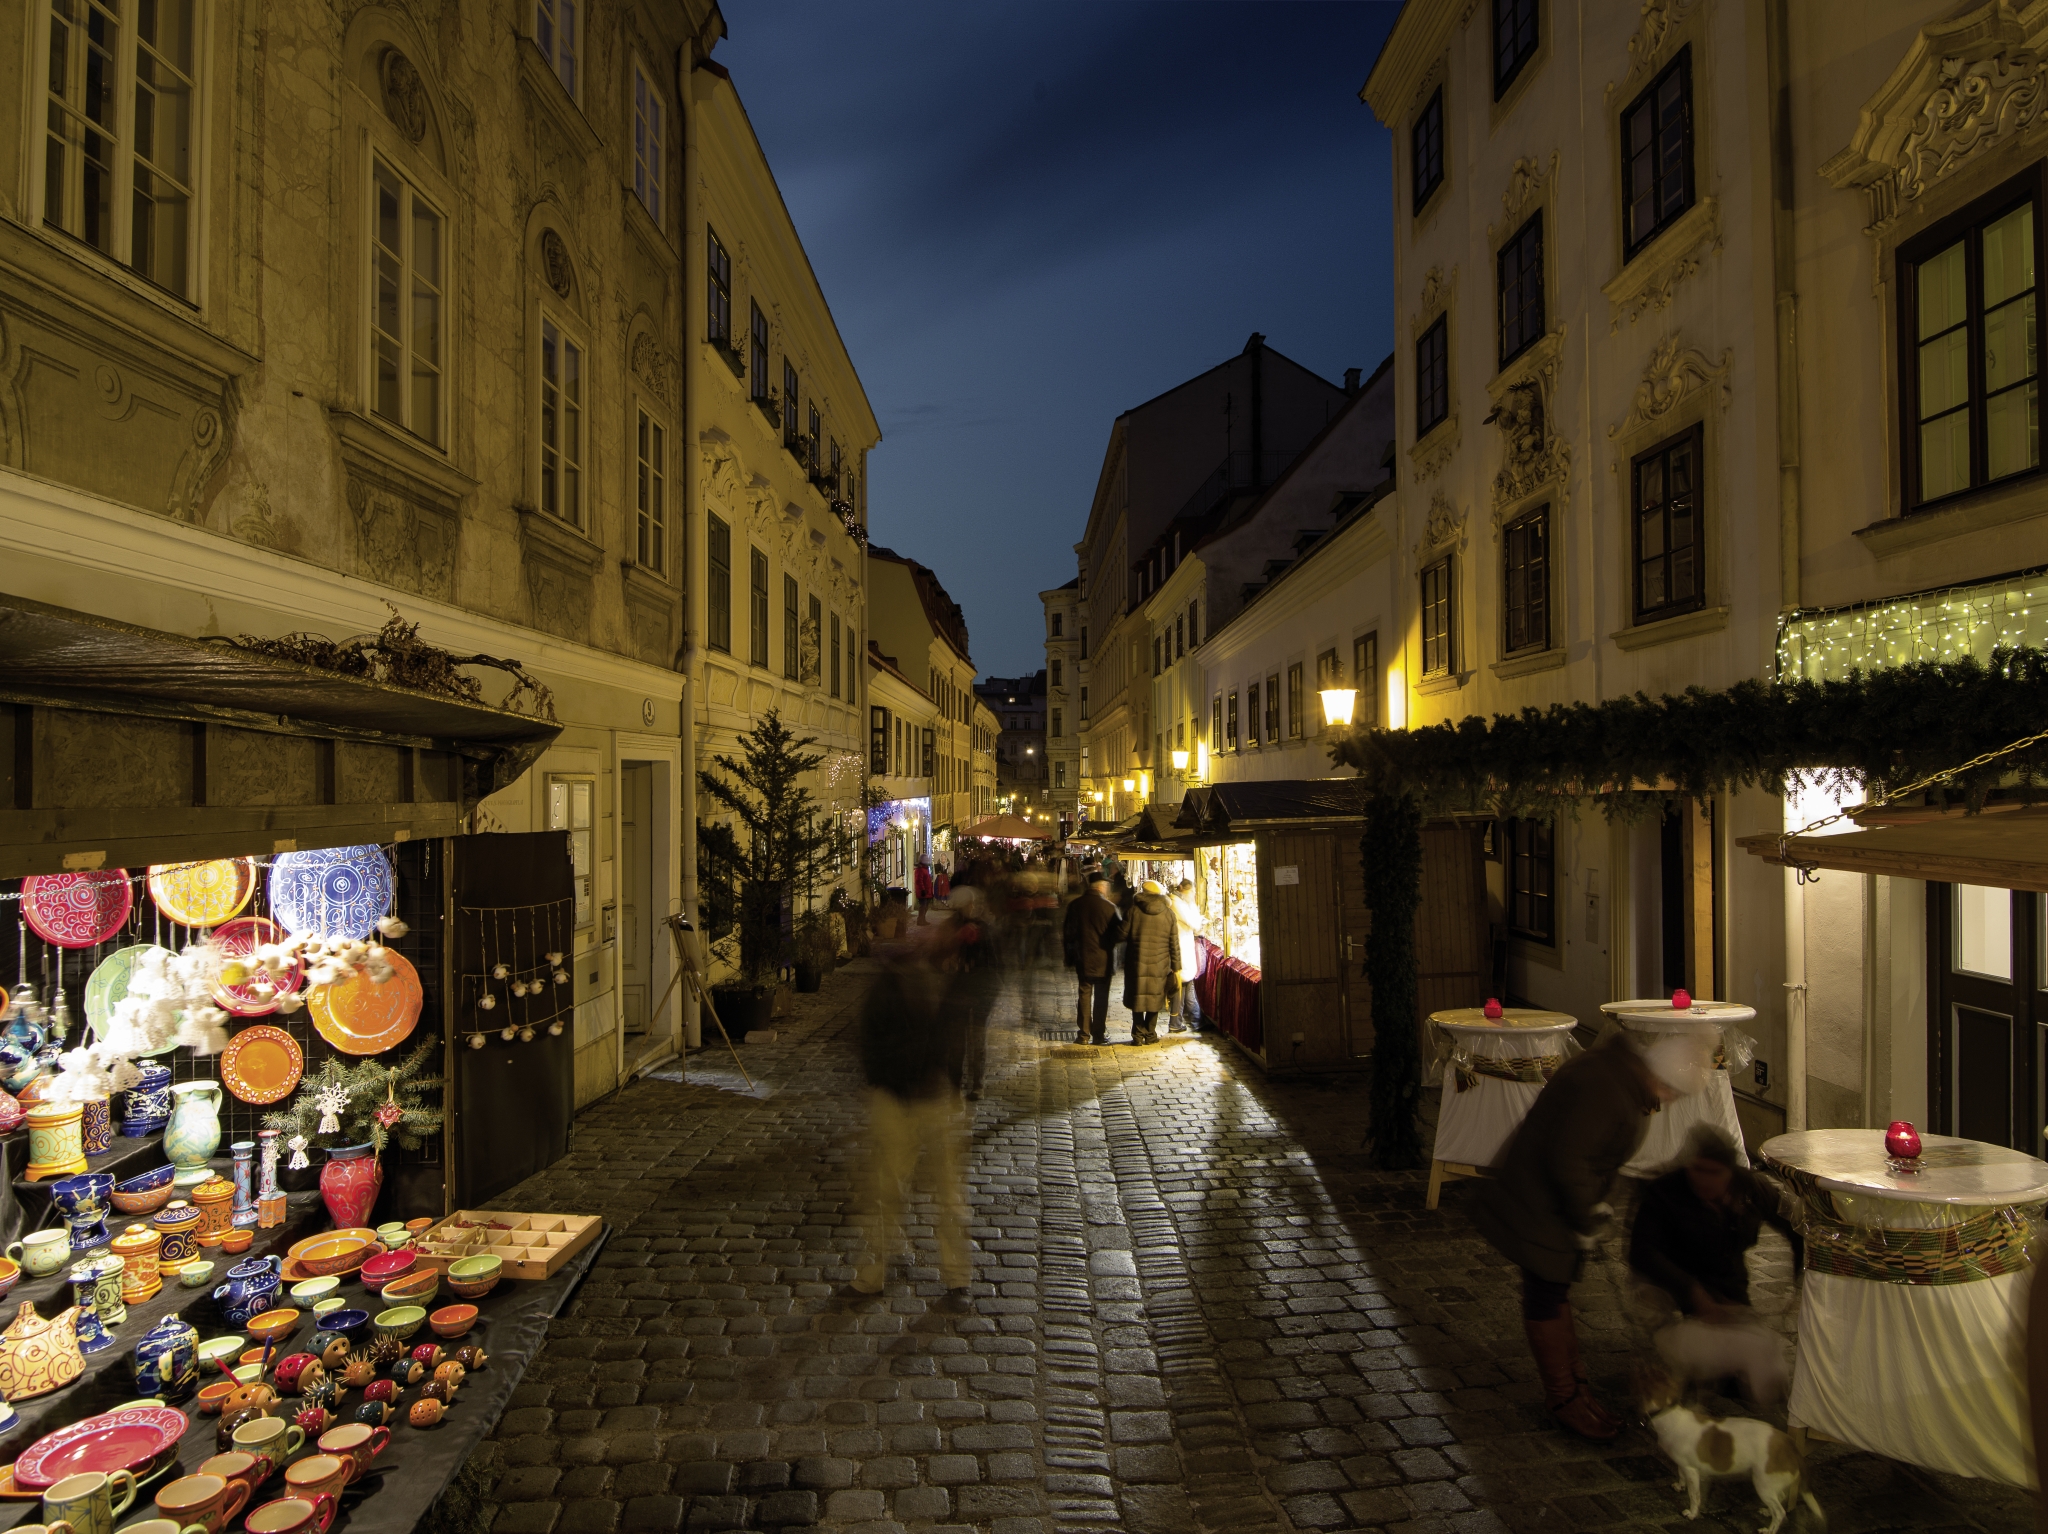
{"x": 1195, "y": 1308}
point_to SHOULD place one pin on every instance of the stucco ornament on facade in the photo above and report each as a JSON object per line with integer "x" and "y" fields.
{"x": 1533, "y": 454}
{"x": 1976, "y": 106}
{"x": 405, "y": 95}
{"x": 1442, "y": 528}
{"x": 554, "y": 260}
{"x": 1654, "y": 40}
{"x": 1675, "y": 372}
{"x": 653, "y": 368}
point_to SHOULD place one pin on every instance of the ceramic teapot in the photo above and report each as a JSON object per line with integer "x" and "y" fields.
{"x": 38, "y": 1356}
{"x": 167, "y": 1360}
{"x": 18, "y": 1065}
{"x": 249, "y": 1291}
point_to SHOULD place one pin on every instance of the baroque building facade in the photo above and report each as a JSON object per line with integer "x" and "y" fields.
{"x": 309, "y": 312}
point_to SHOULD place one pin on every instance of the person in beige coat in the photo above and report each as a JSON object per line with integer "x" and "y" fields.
{"x": 1151, "y": 961}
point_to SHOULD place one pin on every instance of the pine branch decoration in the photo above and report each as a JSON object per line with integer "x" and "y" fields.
{"x": 369, "y": 1085}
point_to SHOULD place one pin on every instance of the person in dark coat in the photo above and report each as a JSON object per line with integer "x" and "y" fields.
{"x": 1695, "y": 1226}
{"x": 1093, "y": 927}
{"x": 1547, "y": 1201}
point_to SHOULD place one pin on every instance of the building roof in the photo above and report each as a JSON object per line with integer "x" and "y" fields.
{"x": 940, "y": 610}
{"x": 1239, "y": 808}
{"x": 887, "y": 663}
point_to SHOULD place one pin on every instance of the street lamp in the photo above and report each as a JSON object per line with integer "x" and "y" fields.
{"x": 1338, "y": 703}
{"x": 1129, "y": 786}
{"x": 1180, "y": 761}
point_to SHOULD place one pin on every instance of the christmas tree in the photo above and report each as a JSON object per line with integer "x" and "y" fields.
{"x": 351, "y": 1102}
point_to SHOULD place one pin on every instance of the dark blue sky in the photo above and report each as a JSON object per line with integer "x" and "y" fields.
{"x": 1030, "y": 217}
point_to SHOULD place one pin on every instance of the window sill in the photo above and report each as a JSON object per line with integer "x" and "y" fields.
{"x": 723, "y": 351}
{"x": 396, "y": 449}
{"x": 548, "y": 537}
{"x": 1442, "y": 682}
{"x": 652, "y": 582}
{"x": 1528, "y": 664}
{"x": 650, "y": 234}
{"x": 553, "y": 99}
{"x": 2016, "y": 500}
{"x": 1433, "y": 449}
{"x": 1648, "y": 278}
{"x": 1705, "y": 620}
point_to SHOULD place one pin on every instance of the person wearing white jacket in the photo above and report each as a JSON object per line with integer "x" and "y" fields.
{"x": 1189, "y": 922}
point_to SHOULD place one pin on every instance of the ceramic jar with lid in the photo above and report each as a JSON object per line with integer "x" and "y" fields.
{"x": 178, "y": 1224}
{"x": 137, "y": 1248}
{"x": 148, "y": 1107}
{"x": 95, "y": 1126}
{"x": 53, "y": 1144}
{"x": 215, "y": 1199}
{"x": 167, "y": 1360}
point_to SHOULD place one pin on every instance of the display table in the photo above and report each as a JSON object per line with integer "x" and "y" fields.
{"x": 1493, "y": 1070}
{"x": 1228, "y": 990}
{"x": 1715, "y": 1104}
{"x": 1912, "y": 1324}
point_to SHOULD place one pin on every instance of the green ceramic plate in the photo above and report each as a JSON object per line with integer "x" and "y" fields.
{"x": 108, "y": 985}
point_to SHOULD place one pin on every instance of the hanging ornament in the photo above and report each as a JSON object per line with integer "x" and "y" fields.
{"x": 487, "y": 1001}
{"x": 555, "y": 957}
{"x": 507, "y": 1032}
{"x": 499, "y": 971}
{"x": 561, "y": 977}
{"x": 298, "y": 1147}
{"x": 526, "y": 1035}
{"x": 330, "y": 1101}
{"x": 392, "y": 927}
{"x": 519, "y": 988}
{"x": 555, "y": 1029}
{"x": 389, "y": 1111}
{"x": 476, "y": 1041}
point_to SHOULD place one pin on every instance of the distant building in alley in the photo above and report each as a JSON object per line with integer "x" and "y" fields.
{"x": 1023, "y": 775}
{"x": 1063, "y": 695}
{"x": 919, "y": 626}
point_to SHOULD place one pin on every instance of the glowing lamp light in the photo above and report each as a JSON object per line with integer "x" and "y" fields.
{"x": 1397, "y": 699}
{"x": 1180, "y": 761}
{"x": 1338, "y": 704}
{"x": 1129, "y": 786}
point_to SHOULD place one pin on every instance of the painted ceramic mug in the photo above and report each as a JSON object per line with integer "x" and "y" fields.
{"x": 150, "y": 1526}
{"x": 59, "y": 1527}
{"x": 43, "y": 1253}
{"x": 292, "y": 1515}
{"x": 208, "y": 1500}
{"x": 252, "y": 1470}
{"x": 357, "y": 1444}
{"x": 272, "y": 1437}
{"x": 319, "y": 1475}
{"x": 90, "y": 1501}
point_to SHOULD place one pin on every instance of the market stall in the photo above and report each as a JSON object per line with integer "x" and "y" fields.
{"x": 1714, "y": 1104}
{"x": 1494, "y": 1063}
{"x": 265, "y": 1012}
{"x": 1912, "y": 1317}
{"x": 1281, "y": 889}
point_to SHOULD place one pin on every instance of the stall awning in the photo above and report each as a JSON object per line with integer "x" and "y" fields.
{"x": 2008, "y": 851}
{"x": 1227, "y": 810}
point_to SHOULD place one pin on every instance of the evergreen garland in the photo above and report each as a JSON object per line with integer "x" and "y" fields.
{"x": 1391, "y": 850}
{"x": 1877, "y": 730}
{"x": 369, "y": 1084}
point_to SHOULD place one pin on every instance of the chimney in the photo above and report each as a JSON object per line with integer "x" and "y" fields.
{"x": 1351, "y": 382}
{"x": 1256, "y": 340}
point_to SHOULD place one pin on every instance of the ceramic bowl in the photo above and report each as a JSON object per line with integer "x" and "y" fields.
{"x": 413, "y": 1289}
{"x": 314, "y": 1290}
{"x": 333, "y": 1252}
{"x": 401, "y": 1321}
{"x": 424, "y": 1222}
{"x": 246, "y": 1374}
{"x": 211, "y": 1241}
{"x": 10, "y": 1274}
{"x": 474, "y": 1277}
{"x": 274, "y": 1325}
{"x": 324, "y": 1308}
{"x": 451, "y": 1321}
{"x": 213, "y": 1397}
{"x": 379, "y": 1271}
{"x": 145, "y": 1194}
{"x": 196, "y": 1275}
{"x": 216, "y": 1352}
{"x": 394, "y": 1235}
{"x": 352, "y": 1324}
{"x": 238, "y": 1241}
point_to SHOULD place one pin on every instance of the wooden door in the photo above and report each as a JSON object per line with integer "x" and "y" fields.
{"x": 1452, "y": 952}
{"x": 1987, "y": 1067}
{"x": 1300, "y": 952}
{"x": 636, "y": 892}
{"x": 1354, "y": 926}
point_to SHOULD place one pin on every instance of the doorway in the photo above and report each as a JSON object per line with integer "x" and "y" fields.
{"x": 1987, "y": 1065}
{"x": 640, "y": 925}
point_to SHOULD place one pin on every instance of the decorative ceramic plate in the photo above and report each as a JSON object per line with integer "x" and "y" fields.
{"x": 12, "y": 1490}
{"x": 296, "y": 1272}
{"x": 360, "y": 1016}
{"x": 108, "y": 985}
{"x": 330, "y": 892}
{"x": 202, "y": 894}
{"x": 262, "y": 1064}
{"x": 125, "y": 1439}
{"x": 77, "y": 910}
{"x": 240, "y": 938}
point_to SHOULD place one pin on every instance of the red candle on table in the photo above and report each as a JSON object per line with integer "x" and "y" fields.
{"x": 1902, "y": 1140}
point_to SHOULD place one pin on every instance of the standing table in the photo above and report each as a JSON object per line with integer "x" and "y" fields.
{"x": 1494, "y": 1068}
{"x": 1912, "y": 1326}
{"x": 1714, "y": 1104}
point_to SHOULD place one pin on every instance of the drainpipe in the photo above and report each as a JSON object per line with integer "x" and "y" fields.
{"x": 1795, "y": 1001}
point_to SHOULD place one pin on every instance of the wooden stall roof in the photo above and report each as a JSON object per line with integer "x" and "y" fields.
{"x": 1233, "y": 811}
{"x": 2005, "y": 851}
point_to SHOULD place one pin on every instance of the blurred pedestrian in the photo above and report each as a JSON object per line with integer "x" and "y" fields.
{"x": 1092, "y": 929}
{"x": 1152, "y": 952}
{"x": 1188, "y": 926}
{"x": 1546, "y": 1204}
{"x": 913, "y": 1055}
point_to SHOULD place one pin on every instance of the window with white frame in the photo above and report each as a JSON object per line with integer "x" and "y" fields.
{"x": 557, "y": 33}
{"x": 561, "y": 424}
{"x": 648, "y": 115}
{"x": 651, "y": 488}
{"x": 118, "y": 156}
{"x": 406, "y": 310}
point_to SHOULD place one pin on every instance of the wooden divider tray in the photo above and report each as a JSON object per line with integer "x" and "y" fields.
{"x": 533, "y": 1246}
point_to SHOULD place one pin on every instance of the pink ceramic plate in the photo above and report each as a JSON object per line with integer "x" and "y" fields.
{"x": 77, "y": 910}
{"x": 126, "y": 1439}
{"x": 238, "y": 939}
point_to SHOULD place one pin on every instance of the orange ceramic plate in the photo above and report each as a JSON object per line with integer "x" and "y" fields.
{"x": 262, "y": 1064}
{"x": 202, "y": 894}
{"x": 360, "y": 1016}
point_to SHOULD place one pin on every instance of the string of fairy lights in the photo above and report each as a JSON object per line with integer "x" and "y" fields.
{"x": 1946, "y": 625}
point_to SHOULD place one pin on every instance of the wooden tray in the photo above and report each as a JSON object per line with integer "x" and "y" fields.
{"x": 533, "y": 1246}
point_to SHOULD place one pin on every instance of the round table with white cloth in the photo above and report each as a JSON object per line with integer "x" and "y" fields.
{"x": 1493, "y": 1070}
{"x": 1671, "y": 1126}
{"x": 1912, "y": 1323}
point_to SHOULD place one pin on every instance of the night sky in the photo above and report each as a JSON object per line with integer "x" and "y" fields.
{"x": 1030, "y": 217}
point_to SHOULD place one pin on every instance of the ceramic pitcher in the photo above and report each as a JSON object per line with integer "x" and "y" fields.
{"x": 194, "y": 1131}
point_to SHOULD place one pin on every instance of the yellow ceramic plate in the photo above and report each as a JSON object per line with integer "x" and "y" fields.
{"x": 361, "y": 1016}
{"x": 202, "y": 894}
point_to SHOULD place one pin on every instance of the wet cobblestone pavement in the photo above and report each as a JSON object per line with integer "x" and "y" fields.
{"x": 1195, "y": 1308}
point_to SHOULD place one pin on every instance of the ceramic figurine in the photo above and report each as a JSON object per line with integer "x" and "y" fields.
{"x": 373, "y": 1413}
{"x": 313, "y": 1420}
{"x": 437, "y": 1390}
{"x": 358, "y": 1373}
{"x": 322, "y": 1392}
{"x": 404, "y": 1371}
{"x": 296, "y": 1371}
{"x": 92, "y": 1336}
{"x": 148, "y": 1107}
{"x": 193, "y": 1134}
{"x": 331, "y": 1348}
{"x": 428, "y": 1353}
{"x": 452, "y": 1372}
{"x": 381, "y": 1390}
{"x": 471, "y": 1358}
{"x": 270, "y": 1209}
{"x": 167, "y": 1360}
{"x": 230, "y": 1419}
{"x": 385, "y": 1349}
{"x": 255, "y": 1393}
{"x": 38, "y": 1356}
{"x": 244, "y": 1152}
{"x": 425, "y": 1413}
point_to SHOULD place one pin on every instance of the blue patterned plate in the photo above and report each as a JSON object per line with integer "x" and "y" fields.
{"x": 331, "y": 892}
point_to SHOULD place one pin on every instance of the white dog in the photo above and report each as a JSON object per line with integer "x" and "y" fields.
{"x": 1704, "y": 1351}
{"x": 1702, "y": 1447}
